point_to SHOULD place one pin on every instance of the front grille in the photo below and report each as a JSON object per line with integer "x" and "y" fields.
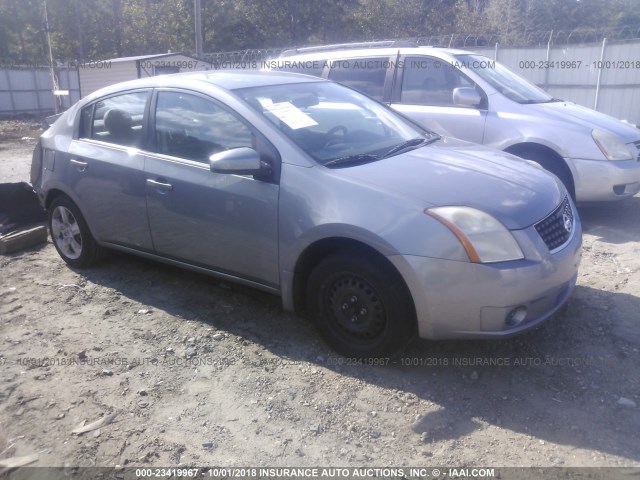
{"x": 555, "y": 230}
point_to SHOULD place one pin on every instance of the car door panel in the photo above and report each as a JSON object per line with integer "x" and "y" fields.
{"x": 109, "y": 183}
{"x": 106, "y": 171}
{"x": 226, "y": 222}
{"x": 464, "y": 123}
{"x": 424, "y": 92}
{"x": 220, "y": 221}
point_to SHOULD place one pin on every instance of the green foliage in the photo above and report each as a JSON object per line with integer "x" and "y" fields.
{"x": 99, "y": 29}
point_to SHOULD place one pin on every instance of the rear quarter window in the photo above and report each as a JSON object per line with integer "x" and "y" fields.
{"x": 85, "y": 122}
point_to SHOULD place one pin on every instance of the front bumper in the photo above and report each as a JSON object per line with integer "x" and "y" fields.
{"x": 604, "y": 180}
{"x": 456, "y": 299}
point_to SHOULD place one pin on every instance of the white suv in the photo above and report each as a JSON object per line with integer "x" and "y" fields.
{"x": 474, "y": 98}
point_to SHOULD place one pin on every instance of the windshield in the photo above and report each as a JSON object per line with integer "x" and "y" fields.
{"x": 334, "y": 124}
{"x": 504, "y": 80}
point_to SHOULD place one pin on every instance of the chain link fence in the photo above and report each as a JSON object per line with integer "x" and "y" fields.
{"x": 541, "y": 38}
{"x": 614, "y": 91}
{"x": 531, "y": 39}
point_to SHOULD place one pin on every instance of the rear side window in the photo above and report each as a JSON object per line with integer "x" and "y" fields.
{"x": 194, "y": 128}
{"x": 117, "y": 120}
{"x": 366, "y": 75}
{"x": 429, "y": 81}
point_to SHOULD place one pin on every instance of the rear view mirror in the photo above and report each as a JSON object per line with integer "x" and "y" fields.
{"x": 306, "y": 101}
{"x": 466, "y": 96}
{"x": 239, "y": 161}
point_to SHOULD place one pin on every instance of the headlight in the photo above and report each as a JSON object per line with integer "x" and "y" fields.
{"x": 483, "y": 237}
{"x": 611, "y": 146}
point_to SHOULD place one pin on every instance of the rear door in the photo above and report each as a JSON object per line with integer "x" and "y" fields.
{"x": 423, "y": 91}
{"x": 220, "y": 221}
{"x": 106, "y": 168}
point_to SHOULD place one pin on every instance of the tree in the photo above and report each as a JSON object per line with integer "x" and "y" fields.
{"x": 100, "y": 29}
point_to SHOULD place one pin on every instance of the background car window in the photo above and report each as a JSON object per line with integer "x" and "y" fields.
{"x": 308, "y": 68}
{"x": 364, "y": 74}
{"x": 504, "y": 80}
{"x": 429, "y": 81}
{"x": 194, "y": 128}
{"x": 117, "y": 120}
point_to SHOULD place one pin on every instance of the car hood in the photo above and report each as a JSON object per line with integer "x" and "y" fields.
{"x": 570, "y": 112}
{"x": 452, "y": 172}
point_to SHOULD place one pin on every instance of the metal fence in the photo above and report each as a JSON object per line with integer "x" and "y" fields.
{"x": 604, "y": 76}
{"x": 535, "y": 38}
{"x": 29, "y": 91}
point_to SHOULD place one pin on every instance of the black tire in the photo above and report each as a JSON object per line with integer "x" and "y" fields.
{"x": 552, "y": 163}
{"x": 360, "y": 305}
{"x": 71, "y": 235}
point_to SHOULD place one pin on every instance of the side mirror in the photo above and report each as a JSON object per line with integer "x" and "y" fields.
{"x": 239, "y": 161}
{"x": 466, "y": 96}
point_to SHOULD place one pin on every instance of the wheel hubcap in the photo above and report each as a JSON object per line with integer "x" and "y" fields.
{"x": 356, "y": 309}
{"x": 66, "y": 232}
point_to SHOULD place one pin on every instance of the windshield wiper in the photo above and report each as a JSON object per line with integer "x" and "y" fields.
{"x": 368, "y": 157}
{"x": 414, "y": 142}
{"x": 352, "y": 159}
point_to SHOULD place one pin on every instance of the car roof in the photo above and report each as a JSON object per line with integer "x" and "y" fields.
{"x": 369, "y": 52}
{"x": 235, "y": 79}
{"x": 225, "y": 79}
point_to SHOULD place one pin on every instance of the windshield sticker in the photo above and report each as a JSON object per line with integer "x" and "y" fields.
{"x": 292, "y": 116}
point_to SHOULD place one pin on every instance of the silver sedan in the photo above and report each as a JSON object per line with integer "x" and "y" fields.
{"x": 378, "y": 229}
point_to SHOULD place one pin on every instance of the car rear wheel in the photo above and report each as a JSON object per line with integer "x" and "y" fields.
{"x": 71, "y": 235}
{"x": 360, "y": 305}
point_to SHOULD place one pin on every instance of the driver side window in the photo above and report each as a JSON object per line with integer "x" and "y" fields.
{"x": 429, "y": 81}
{"x": 194, "y": 128}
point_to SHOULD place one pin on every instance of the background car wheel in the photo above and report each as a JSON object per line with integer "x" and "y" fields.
{"x": 71, "y": 235}
{"x": 360, "y": 305}
{"x": 551, "y": 162}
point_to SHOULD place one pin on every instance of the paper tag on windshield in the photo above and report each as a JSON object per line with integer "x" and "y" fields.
{"x": 292, "y": 116}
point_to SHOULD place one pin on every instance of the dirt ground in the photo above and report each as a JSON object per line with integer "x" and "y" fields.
{"x": 200, "y": 372}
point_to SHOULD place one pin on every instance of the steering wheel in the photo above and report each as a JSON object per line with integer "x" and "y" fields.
{"x": 333, "y": 138}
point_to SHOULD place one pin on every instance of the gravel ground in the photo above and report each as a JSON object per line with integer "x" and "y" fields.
{"x": 199, "y": 372}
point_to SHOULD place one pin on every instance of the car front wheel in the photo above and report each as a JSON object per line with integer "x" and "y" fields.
{"x": 71, "y": 235}
{"x": 360, "y": 305}
{"x": 552, "y": 163}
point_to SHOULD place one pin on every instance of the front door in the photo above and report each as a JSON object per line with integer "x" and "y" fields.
{"x": 423, "y": 91}
{"x": 219, "y": 221}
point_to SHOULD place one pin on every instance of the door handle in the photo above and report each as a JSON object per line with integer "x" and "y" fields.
{"x": 80, "y": 166}
{"x": 162, "y": 187}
